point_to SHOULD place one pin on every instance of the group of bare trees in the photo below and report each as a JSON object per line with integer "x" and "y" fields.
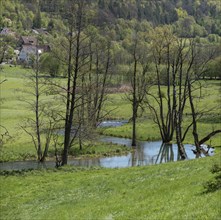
{"x": 179, "y": 64}
{"x": 169, "y": 93}
{"x": 79, "y": 100}
{"x": 89, "y": 72}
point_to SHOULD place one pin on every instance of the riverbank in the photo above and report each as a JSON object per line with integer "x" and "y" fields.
{"x": 164, "y": 191}
{"x": 146, "y": 153}
{"x": 19, "y": 146}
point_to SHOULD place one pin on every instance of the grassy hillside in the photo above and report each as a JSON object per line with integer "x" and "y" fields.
{"x": 166, "y": 191}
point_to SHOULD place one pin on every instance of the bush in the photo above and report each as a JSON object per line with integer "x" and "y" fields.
{"x": 215, "y": 183}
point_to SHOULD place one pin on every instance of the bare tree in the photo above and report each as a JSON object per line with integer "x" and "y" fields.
{"x": 183, "y": 63}
{"x": 88, "y": 61}
{"x": 76, "y": 61}
{"x": 199, "y": 60}
{"x": 139, "y": 79}
{"x": 162, "y": 105}
{"x": 98, "y": 79}
{"x": 45, "y": 120}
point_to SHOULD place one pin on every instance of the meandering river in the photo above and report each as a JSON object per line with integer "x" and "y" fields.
{"x": 146, "y": 153}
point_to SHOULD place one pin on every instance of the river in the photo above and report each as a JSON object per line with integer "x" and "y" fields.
{"x": 146, "y": 153}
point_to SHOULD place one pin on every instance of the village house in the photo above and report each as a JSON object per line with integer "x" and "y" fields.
{"x": 29, "y": 48}
{"x": 7, "y": 32}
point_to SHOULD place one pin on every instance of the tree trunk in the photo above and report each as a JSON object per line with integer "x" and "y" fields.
{"x": 39, "y": 151}
{"x": 195, "y": 132}
{"x": 71, "y": 98}
{"x": 134, "y": 102}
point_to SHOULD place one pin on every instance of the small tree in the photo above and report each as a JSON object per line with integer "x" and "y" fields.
{"x": 139, "y": 79}
{"x": 4, "y": 133}
{"x": 215, "y": 183}
{"x": 50, "y": 65}
{"x": 45, "y": 120}
{"x": 162, "y": 104}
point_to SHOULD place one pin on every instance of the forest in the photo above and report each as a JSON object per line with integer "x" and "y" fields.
{"x": 92, "y": 85}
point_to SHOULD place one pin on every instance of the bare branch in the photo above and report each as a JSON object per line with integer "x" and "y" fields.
{"x": 203, "y": 140}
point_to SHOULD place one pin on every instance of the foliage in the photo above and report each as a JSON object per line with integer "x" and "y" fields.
{"x": 213, "y": 70}
{"x": 50, "y": 65}
{"x": 215, "y": 183}
{"x": 199, "y": 17}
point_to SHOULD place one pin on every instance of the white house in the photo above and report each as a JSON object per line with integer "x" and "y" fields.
{"x": 27, "y": 52}
{"x": 29, "y": 48}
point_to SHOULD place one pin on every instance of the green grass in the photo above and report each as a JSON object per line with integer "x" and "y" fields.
{"x": 13, "y": 112}
{"x": 145, "y": 131}
{"x": 166, "y": 191}
{"x": 210, "y": 103}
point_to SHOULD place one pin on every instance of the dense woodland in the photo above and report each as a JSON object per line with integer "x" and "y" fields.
{"x": 189, "y": 17}
{"x": 117, "y": 19}
{"x": 161, "y": 50}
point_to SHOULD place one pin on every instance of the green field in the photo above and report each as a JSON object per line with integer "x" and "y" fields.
{"x": 166, "y": 191}
{"x": 14, "y": 111}
{"x": 74, "y": 74}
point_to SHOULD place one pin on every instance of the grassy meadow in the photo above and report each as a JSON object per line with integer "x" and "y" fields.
{"x": 210, "y": 103}
{"x": 165, "y": 191}
{"x": 14, "y": 111}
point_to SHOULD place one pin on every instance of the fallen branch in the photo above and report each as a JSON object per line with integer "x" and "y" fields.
{"x": 209, "y": 136}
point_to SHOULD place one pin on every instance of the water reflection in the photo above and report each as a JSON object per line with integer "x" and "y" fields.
{"x": 112, "y": 123}
{"x": 145, "y": 153}
{"x": 166, "y": 154}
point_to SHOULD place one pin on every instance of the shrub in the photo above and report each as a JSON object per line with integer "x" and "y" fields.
{"x": 215, "y": 183}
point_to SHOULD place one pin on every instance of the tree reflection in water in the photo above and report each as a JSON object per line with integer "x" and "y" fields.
{"x": 166, "y": 153}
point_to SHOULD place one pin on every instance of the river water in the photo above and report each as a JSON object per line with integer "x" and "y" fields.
{"x": 146, "y": 153}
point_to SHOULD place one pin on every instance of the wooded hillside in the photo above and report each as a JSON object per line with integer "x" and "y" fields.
{"x": 189, "y": 17}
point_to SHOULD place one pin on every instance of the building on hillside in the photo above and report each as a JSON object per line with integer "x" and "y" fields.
{"x": 7, "y": 32}
{"x": 29, "y": 48}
